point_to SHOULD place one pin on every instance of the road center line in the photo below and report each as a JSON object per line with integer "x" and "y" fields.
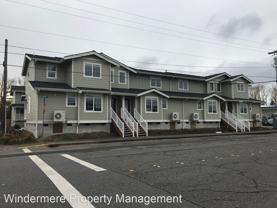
{"x": 84, "y": 163}
{"x": 72, "y": 195}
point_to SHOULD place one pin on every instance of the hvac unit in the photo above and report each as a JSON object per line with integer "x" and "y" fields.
{"x": 258, "y": 117}
{"x": 175, "y": 116}
{"x": 59, "y": 116}
{"x": 195, "y": 116}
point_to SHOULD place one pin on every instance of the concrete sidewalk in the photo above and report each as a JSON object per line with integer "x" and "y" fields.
{"x": 158, "y": 137}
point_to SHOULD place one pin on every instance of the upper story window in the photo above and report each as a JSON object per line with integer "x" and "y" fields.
{"x": 92, "y": 70}
{"x": 155, "y": 82}
{"x": 71, "y": 101}
{"x": 200, "y": 105}
{"x": 218, "y": 87}
{"x": 51, "y": 72}
{"x": 183, "y": 85}
{"x": 212, "y": 106}
{"x": 151, "y": 105}
{"x": 164, "y": 103}
{"x": 122, "y": 77}
{"x": 243, "y": 108}
{"x": 93, "y": 103}
{"x": 211, "y": 86}
{"x": 240, "y": 87}
{"x": 112, "y": 75}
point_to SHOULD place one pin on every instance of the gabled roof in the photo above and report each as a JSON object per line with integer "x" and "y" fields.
{"x": 213, "y": 95}
{"x": 153, "y": 90}
{"x": 101, "y": 56}
{"x": 55, "y": 86}
{"x": 233, "y": 78}
{"x": 214, "y": 76}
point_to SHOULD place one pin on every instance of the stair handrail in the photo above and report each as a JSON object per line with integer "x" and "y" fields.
{"x": 129, "y": 115}
{"x": 246, "y": 122}
{"x": 128, "y": 120}
{"x": 225, "y": 116}
{"x": 240, "y": 122}
{"x": 142, "y": 122}
{"x": 117, "y": 121}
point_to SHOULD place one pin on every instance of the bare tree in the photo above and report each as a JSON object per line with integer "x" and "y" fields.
{"x": 274, "y": 95}
{"x": 259, "y": 92}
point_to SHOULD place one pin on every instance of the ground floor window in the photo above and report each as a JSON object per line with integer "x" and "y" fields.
{"x": 151, "y": 104}
{"x": 243, "y": 108}
{"x": 164, "y": 103}
{"x": 71, "y": 101}
{"x": 212, "y": 106}
{"x": 93, "y": 103}
{"x": 200, "y": 105}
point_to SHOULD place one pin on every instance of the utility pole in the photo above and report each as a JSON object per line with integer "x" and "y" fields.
{"x": 4, "y": 97}
{"x": 274, "y": 53}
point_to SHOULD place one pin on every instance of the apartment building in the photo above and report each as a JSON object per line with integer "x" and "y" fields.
{"x": 92, "y": 92}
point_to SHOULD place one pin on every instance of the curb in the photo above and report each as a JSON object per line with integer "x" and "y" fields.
{"x": 151, "y": 138}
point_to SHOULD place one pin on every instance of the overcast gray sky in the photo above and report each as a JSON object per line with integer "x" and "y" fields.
{"x": 202, "y": 37}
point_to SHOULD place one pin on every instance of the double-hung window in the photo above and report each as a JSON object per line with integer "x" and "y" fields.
{"x": 243, "y": 108}
{"x": 112, "y": 75}
{"x": 71, "y": 101}
{"x": 151, "y": 105}
{"x": 93, "y": 103}
{"x": 156, "y": 82}
{"x": 51, "y": 71}
{"x": 164, "y": 103}
{"x": 211, "y": 85}
{"x": 200, "y": 105}
{"x": 122, "y": 77}
{"x": 240, "y": 87}
{"x": 92, "y": 70}
{"x": 183, "y": 85}
{"x": 212, "y": 106}
{"x": 218, "y": 87}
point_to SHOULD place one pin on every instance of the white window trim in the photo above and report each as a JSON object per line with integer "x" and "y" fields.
{"x": 92, "y": 111}
{"x": 155, "y": 86}
{"x": 66, "y": 101}
{"x": 246, "y": 108}
{"x": 150, "y": 97}
{"x": 238, "y": 87}
{"x": 182, "y": 89}
{"x": 112, "y": 72}
{"x": 216, "y": 104}
{"x": 201, "y": 105}
{"x": 213, "y": 87}
{"x": 166, "y": 101}
{"x": 29, "y": 104}
{"x": 56, "y": 72}
{"x": 120, "y": 71}
{"x": 218, "y": 83}
{"x": 84, "y": 70}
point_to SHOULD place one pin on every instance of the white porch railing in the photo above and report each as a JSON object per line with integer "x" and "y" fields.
{"x": 236, "y": 121}
{"x": 132, "y": 119}
{"x": 129, "y": 120}
{"x": 120, "y": 125}
{"x": 143, "y": 123}
{"x": 19, "y": 117}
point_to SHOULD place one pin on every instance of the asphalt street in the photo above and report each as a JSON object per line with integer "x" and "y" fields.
{"x": 214, "y": 172}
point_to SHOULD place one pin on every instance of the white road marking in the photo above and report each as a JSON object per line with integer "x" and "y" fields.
{"x": 84, "y": 163}
{"x": 72, "y": 195}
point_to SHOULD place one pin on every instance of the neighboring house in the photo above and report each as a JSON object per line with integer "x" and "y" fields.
{"x": 17, "y": 105}
{"x": 88, "y": 92}
{"x": 268, "y": 111}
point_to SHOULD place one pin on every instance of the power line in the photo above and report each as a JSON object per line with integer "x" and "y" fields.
{"x": 161, "y": 21}
{"x": 139, "y": 29}
{"x": 152, "y": 63}
{"x": 140, "y": 23}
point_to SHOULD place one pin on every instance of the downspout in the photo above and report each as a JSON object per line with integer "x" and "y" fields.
{"x": 78, "y": 112}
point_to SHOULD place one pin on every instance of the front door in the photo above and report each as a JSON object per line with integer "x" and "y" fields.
{"x": 128, "y": 104}
{"x": 230, "y": 107}
{"x": 114, "y": 103}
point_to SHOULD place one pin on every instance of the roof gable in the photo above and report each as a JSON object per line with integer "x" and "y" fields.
{"x": 214, "y": 76}
{"x": 153, "y": 90}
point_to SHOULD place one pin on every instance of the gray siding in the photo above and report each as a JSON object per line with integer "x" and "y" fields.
{"x": 30, "y": 72}
{"x": 116, "y": 83}
{"x": 227, "y": 89}
{"x": 81, "y": 81}
{"x": 41, "y": 73}
{"x": 245, "y": 93}
{"x": 211, "y": 117}
{"x": 32, "y": 98}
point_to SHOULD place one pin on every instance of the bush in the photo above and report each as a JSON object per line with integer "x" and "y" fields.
{"x": 17, "y": 137}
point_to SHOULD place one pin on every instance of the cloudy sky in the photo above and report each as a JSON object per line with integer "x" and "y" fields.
{"x": 198, "y": 37}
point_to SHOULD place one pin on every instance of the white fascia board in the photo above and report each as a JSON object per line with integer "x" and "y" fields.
{"x": 214, "y": 95}
{"x": 153, "y": 90}
{"x": 219, "y": 75}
